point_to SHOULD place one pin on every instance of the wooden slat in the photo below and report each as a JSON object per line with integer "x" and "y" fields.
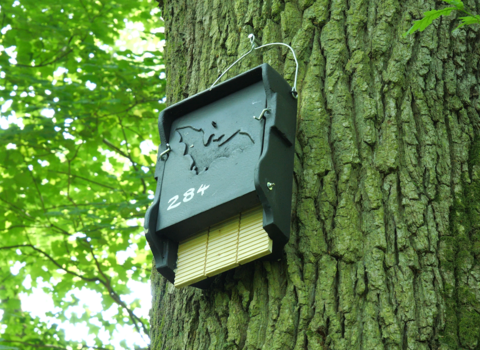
{"x": 192, "y": 254}
{"x": 222, "y": 247}
{"x": 253, "y": 240}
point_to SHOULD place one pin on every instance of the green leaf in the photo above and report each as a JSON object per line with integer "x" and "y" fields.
{"x": 468, "y": 20}
{"x": 429, "y": 17}
{"x": 457, "y": 3}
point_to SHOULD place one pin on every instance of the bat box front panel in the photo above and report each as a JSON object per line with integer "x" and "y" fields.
{"x": 209, "y": 174}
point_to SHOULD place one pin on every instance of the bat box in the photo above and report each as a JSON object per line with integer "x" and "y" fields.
{"x": 224, "y": 178}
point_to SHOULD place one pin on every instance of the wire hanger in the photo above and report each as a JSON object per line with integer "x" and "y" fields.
{"x": 253, "y": 42}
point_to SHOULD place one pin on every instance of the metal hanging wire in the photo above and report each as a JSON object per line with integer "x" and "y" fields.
{"x": 255, "y": 47}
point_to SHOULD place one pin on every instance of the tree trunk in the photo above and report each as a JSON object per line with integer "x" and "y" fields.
{"x": 385, "y": 241}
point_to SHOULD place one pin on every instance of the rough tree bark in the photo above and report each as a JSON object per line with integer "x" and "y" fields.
{"x": 385, "y": 244}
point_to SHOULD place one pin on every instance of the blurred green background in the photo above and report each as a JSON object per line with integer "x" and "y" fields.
{"x": 81, "y": 86}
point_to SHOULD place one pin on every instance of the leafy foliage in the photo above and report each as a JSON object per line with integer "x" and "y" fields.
{"x": 430, "y": 16}
{"x": 74, "y": 183}
{"x": 467, "y": 20}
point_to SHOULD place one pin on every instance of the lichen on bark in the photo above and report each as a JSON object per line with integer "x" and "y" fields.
{"x": 385, "y": 243}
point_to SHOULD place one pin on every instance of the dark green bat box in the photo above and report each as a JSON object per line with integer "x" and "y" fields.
{"x": 224, "y": 161}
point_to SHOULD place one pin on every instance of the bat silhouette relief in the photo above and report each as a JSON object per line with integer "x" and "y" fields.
{"x": 204, "y": 149}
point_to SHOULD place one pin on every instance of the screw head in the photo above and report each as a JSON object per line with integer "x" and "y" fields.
{"x": 270, "y": 185}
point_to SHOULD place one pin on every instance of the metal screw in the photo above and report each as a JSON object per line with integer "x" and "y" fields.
{"x": 270, "y": 185}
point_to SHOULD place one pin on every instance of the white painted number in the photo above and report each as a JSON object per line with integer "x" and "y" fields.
{"x": 187, "y": 196}
{"x": 202, "y": 189}
{"x": 174, "y": 204}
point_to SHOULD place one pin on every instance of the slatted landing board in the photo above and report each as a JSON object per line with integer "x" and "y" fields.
{"x": 222, "y": 247}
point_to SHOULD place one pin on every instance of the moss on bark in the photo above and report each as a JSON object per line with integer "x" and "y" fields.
{"x": 385, "y": 244}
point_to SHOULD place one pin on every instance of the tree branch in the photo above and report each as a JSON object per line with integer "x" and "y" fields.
{"x": 44, "y": 64}
{"x": 84, "y": 178}
{"x": 119, "y": 151}
{"x": 47, "y": 346}
{"x": 106, "y": 283}
{"x": 88, "y": 279}
{"x": 18, "y": 209}
{"x": 117, "y": 299}
{"x": 20, "y": 226}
